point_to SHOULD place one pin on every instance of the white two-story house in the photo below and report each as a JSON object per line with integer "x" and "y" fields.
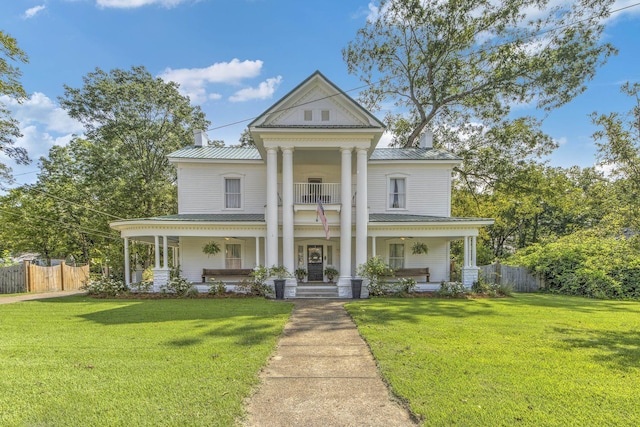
{"x": 316, "y": 150}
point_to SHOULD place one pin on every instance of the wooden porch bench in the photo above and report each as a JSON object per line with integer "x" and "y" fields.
{"x": 412, "y": 272}
{"x": 225, "y": 272}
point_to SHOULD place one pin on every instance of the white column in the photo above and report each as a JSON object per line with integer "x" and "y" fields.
{"x": 165, "y": 252}
{"x": 271, "y": 254}
{"x": 287, "y": 209}
{"x": 345, "y": 215}
{"x": 373, "y": 246}
{"x": 473, "y": 251}
{"x": 127, "y": 266}
{"x": 362, "y": 219}
{"x": 466, "y": 252}
{"x": 157, "y": 248}
{"x": 257, "y": 251}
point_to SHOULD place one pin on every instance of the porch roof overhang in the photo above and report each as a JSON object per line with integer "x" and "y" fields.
{"x": 214, "y": 225}
{"x": 395, "y": 225}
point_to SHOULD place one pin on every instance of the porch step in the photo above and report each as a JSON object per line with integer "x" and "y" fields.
{"x": 316, "y": 291}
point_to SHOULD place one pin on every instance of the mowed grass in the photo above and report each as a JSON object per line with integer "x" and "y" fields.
{"x": 79, "y": 361}
{"x": 531, "y": 360}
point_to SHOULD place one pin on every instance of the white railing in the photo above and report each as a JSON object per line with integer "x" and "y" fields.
{"x": 305, "y": 193}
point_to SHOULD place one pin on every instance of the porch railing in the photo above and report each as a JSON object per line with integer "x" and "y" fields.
{"x": 310, "y": 193}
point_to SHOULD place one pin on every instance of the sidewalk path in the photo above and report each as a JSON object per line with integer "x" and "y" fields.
{"x": 29, "y": 297}
{"x": 323, "y": 374}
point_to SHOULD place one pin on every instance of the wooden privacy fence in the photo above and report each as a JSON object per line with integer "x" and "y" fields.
{"x": 518, "y": 277}
{"x": 27, "y": 277}
{"x": 13, "y": 279}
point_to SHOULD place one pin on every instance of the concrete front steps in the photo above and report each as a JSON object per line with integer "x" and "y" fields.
{"x": 317, "y": 290}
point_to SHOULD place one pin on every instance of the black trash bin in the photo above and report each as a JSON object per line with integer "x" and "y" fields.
{"x": 356, "y": 288}
{"x": 279, "y": 284}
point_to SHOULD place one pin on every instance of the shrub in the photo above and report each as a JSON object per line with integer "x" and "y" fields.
{"x": 254, "y": 288}
{"x": 403, "y": 286}
{"x": 144, "y": 286}
{"x": 193, "y": 292}
{"x": 451, "y": 289}
{"x": 217, "y": 288}
{"x": 177, "y": 285}
{"x": 106, "y": 286}
{"x": 375, "y": 270}
{"x": 586, "y": 264}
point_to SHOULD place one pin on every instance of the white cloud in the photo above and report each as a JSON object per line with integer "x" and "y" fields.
{"x": 193, "y": 81}
{"x": 215, "y": 96}
{"x": 40, "y": 110}
{"x": 33, "y": 11}
{"x": 130, "y": 4}
{"x": 561, "y": 141}
{"x": 264, "y": 91}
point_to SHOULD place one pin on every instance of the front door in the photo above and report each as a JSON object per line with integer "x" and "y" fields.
{"x": 314, "y": 263}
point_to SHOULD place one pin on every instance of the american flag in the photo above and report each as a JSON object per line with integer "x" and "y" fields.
{"x": 323, "y": 218}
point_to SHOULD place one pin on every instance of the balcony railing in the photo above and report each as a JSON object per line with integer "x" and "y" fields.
{"x": 309, "y": 193}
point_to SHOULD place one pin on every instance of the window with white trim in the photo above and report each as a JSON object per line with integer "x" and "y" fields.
{"x": 232, "y": 193}
{"x": 233, "y": 255}
{"x": 396, "y": 255}
{"x": 325, "y": 116}
{"x": 308, "y": 115}
{"x": 397, "y": 193}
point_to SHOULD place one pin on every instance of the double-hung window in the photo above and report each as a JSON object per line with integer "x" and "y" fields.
{"x": 232, "y": 193}
{"x": 396, "y": 255}
{"x": 397, "y": 193}
{"x": 233, "y": 256}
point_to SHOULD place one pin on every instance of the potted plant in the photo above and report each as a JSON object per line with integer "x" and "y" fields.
{"x": 301, "y": 273}
{"x": 211, "y": 248}
{"x": 281, "y": 273}
{"x": 419, "y": 248}
{"x": 331, "y": 272}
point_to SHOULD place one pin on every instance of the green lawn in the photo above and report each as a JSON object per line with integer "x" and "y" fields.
{"x": 79, "y": 361}
{"x": 532, "y": 360}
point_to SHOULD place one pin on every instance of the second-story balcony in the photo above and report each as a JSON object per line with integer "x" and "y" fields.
{"x": 309, "y": 193}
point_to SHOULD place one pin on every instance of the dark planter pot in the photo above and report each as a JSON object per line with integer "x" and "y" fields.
{"x": 279, "y": 284}
{"x": 356, "y": 288}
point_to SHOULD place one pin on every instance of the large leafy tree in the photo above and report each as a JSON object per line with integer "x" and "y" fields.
{"x": 10, "y": 86}
{"x": 454, "y": 62}
{"x": 618, "y": 141}
{"x": 132, "y": 122}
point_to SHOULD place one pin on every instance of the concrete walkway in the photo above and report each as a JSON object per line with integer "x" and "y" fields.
{"x": 29, "y": 297}
{"x": 323, "y": 374}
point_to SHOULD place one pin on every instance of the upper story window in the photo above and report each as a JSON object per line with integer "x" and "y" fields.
{"x": 396, "y": 255}
{"x": 308, "y": 115}
{"x": 232, "y": 193}
{"x": 324, "y": 115}
{"x": 233, "y": 256}
{"x": 397, "y": 193}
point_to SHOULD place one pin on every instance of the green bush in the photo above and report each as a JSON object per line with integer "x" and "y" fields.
{"x": 106, "y": 286}
{"x": 217, "y": 288}
{"x": 177, "y": 285}
{"x": 585, "y": 264}
{"x": 375, "y": 270}
{"x": 451, "y": 289}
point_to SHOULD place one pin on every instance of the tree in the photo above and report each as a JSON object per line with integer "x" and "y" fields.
{"x": 133, "y": 121}
{"x": 618, "y": 142}
{"x": 10, "y": 86}
{"x": 454, "y": 62}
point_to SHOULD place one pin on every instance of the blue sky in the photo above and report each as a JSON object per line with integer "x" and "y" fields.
{"x": 235, "y": 58}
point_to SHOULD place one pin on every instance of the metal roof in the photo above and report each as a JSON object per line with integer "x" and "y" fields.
{"x": 420, "y": 218}
{"x": 222, "y": 153}
{"x": 207, "y": 218}
{"x": 412, "y": 154}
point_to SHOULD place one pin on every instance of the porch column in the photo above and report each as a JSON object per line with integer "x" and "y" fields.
{"x": 257, "y": 251}
{"x": 345, "y": 225}
{"x": 361, "y": 208}
{"x": 127, "y": 266}
{"x": 373, "y": 246}
{"x": 157, "y": 250}
{"x": 287, "y": 209}
{"x": 271, "y": 254}
{"x": 165, "y": 252}
{"x": 469, "y": 269}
